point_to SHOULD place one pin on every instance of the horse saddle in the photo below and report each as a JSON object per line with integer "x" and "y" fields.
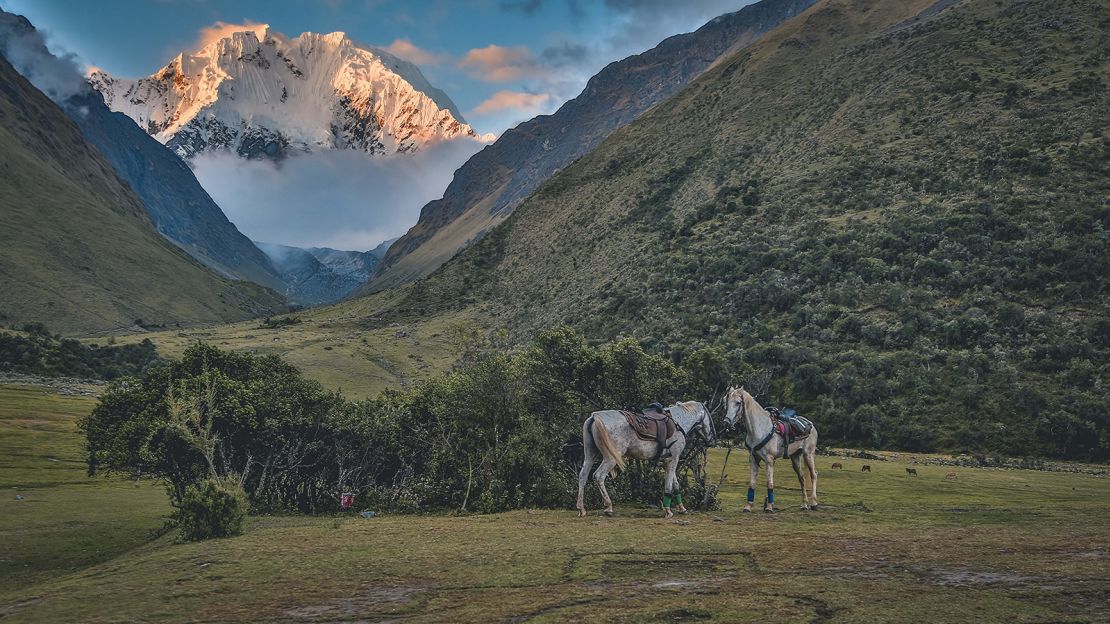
{"x": 790, "y": 425}
{"x": 652, "y": 426}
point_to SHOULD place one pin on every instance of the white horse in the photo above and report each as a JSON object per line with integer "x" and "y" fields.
{"x": 765, "y": 444}
{"x": 607, "y": 434}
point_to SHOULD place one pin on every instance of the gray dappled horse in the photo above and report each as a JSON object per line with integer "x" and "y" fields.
{"x": 765, "y": 444}
{"x": 607, "y": 435}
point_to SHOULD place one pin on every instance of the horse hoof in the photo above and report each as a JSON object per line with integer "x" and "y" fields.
{"x": 746, "y": 510}
{"x": 609, "y": 512}
{"x": 813, "y": 508}
{"x": 581, "y": 514}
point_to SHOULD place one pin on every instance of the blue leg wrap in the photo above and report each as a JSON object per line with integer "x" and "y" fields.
{"x": 771, "y": 496}
{"x": 751, "y": 495}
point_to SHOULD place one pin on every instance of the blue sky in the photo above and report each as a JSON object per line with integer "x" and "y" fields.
{"x": 501, "y": 61}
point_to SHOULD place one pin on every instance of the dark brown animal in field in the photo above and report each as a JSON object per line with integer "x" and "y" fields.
{"x": 866, "y": 468}
{"x": 911, "y": 471}
{"x": 950, "y": 476}
{"x": 837, "y": 466}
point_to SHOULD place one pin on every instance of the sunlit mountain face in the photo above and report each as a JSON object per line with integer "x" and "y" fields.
{"x": 258, "y": 93}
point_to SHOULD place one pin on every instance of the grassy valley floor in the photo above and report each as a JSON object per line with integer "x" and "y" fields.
{"x": 355, "y": 346}
{"x": 989, "y": 546}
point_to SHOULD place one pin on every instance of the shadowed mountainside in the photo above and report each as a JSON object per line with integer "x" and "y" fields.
{"x": 495, "y": 181}
{"x": 77, "y": 248}
{"x": 900, "y": 218}
{"x": 319, "y": 274}
{"x": 181, "y": 209}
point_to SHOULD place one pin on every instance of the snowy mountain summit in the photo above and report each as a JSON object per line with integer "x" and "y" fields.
{"x": 264, "y": 95}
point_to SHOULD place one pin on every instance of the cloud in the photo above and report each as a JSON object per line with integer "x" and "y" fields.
{"x": 219, "y": 30}
{"x": 59, "y": 77}
{"x": 495, "y": 63}
{"x": 515, "y": 100}
{"x": 337, "y": 198}
{"x": 407, "y": 50}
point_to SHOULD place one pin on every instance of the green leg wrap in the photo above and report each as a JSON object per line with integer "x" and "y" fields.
{"x": 666, "y": 501}
{"x": 678, "y": 498}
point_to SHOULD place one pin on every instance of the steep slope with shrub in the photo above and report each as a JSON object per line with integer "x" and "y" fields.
{"x": 897, "y": 212}
{"x": 496, "y": 180}
{"x": 77, "y": 249}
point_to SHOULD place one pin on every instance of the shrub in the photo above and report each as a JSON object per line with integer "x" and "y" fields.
{"x": 211, "y": 508}
{"x": 40, "y": 353}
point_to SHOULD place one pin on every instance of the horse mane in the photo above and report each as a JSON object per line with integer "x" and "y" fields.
{"x": 749, "y": 401}
{"x": 689, "y": 406}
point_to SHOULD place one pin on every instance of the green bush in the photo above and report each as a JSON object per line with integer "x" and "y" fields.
{"x": 501, "y": 431}
{"x": 211, "y": 508}
{"x": 40, "y": 353}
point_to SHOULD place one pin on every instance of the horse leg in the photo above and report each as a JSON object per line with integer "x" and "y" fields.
{"x": 673, "y": 494}
{"x": 600, "y": 475}
{"x": 811, "y": 464}
{"x": 753, "y": 463}
{"x": 668, "y": 489}
{"x": 583, "y": 477}
{"x": 797, "y": 462}
{"x": 770, "y": 485}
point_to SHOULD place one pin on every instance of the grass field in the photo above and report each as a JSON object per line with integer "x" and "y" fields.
{"x": 990, "y": 546}
{"x": 347, "y": 346}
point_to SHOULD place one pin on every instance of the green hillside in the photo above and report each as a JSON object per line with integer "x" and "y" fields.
{"x": 896, "y": 210}
{"x": 77, "y": 251}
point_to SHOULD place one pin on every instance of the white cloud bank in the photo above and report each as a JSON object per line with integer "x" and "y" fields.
{"x": 342, "y": 199}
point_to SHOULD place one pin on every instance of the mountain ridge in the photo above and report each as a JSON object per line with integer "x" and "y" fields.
{"x": 180, "y": 208}
{"x": 493, "y": 182}
{"x": 894, "y": 220}
{"x": 319, "y": 275}
{"x": 78, "y": 250}
{"x": 261, "y": 94}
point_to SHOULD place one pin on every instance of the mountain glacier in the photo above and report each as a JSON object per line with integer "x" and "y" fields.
{"x": 261, "y": 94}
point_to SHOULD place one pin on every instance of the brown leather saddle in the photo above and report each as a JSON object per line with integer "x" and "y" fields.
{"x": 652, "y": 426}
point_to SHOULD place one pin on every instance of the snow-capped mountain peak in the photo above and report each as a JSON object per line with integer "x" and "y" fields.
{"x": 262, "y": 94}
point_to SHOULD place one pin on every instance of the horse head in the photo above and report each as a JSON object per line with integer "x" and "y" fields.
{"x": 734, "y": 404}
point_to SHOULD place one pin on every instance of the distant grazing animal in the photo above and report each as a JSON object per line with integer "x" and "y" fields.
{"x": 837, "y": 466}
{"x": 765, "y": 443}
{"x": 911, "y": 471}
{"x": 608, "y": 436}
{"x": 866, "y": 468}
{"x": 950, "y": 476}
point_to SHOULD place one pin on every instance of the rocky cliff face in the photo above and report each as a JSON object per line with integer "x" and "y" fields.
{"x": 261, "y": 94}
{"x": 496, "y": 180}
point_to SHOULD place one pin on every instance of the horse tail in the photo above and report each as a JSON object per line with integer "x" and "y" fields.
{"x": 605, "y": 445}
